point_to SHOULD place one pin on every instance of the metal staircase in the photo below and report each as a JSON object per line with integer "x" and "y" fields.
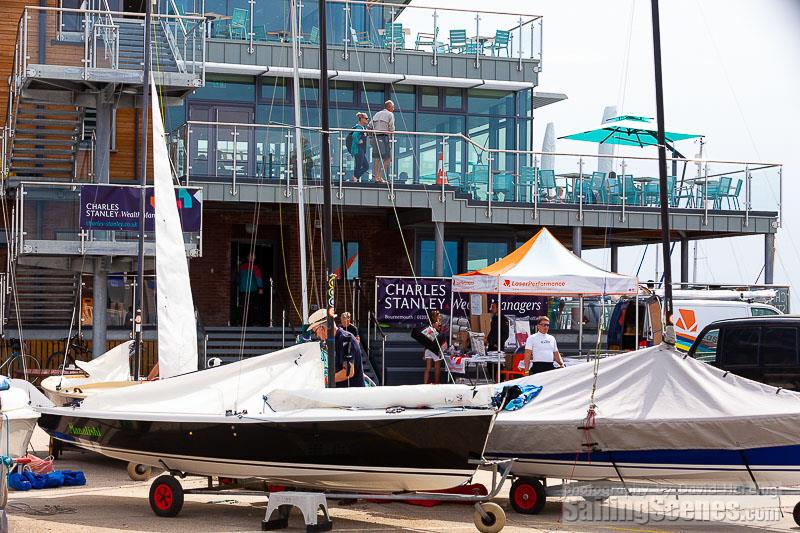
{"x": 43, "y": 298}
{"x": 131, "y": 46}
{"x": 46, "y": 139}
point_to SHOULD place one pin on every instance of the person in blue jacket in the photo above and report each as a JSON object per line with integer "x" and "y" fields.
{"x": 358, "y": 147}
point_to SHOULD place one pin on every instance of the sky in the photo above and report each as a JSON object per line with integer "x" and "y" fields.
{"x": 731, "y": 71}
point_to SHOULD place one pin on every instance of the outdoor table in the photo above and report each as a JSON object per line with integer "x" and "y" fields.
{"x": 282, "y": 35}
{"x": 699, "y": 183}
{"x": 482, "y": 40}
{"x": 479, "y": 364}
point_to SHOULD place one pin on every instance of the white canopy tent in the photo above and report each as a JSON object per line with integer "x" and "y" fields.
{"x": 544, "y": 267}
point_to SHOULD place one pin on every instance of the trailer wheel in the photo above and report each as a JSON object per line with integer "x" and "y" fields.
{"x": 493, "y": 522}
{"x": 796, "y": 513}
{"x": 166, "y": 496}
{"x": 527, "y": 495}
{"x": 139, "y": 472}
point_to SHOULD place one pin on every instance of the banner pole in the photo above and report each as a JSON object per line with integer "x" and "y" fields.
{"x": 500, "y": 339}
{"x": 452, "y": 312}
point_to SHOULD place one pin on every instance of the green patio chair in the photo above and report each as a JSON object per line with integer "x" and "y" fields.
{"x": 614, "y": 186}
{"x": 597, "y": 185}
{"x": 458, "y": 41}
{"x": 652, "y": 192}
{"x": 500, "y": 42}
{"x": 633, "y": 194}
{"x": 313, "y": 37}
{"x": 393, "y": 35}
{"x": 219, "y": 29}
{"x": 237, "y": 28}
{"x": 425, "y": 39}
{"x": 503, "y": 183}
{"x": 733, "y": 196}
{"x": 360, "y": 39}
{"x": 473, "y": 48}
{"x": 260, "y": 33}
{"x": 547, "y": 185}
{"x": 525, "y": 184}
{"x": 478, "y": 181}
{"x": 723, "y": 190}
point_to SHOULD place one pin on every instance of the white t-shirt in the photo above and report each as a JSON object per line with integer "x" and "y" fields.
{"x": 542, "y": 347}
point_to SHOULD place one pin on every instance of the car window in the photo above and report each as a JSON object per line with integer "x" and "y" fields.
{"x": 779, "y": 346}
{"x": 706, "y": 348}
{"x": 762, "y": 311}
{"x": 740, "y": 345}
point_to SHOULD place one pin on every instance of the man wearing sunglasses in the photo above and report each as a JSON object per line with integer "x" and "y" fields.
{"x": 541, "y": 350}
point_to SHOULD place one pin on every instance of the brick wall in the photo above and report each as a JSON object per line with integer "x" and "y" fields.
{"x": 380, "y": 249}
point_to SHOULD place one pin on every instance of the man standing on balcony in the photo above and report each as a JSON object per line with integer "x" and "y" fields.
{"x": 382, "y": 126}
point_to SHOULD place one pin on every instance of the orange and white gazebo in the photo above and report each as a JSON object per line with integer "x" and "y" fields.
{"x": 544, "y": 267}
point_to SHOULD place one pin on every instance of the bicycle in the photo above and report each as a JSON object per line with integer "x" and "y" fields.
{"x": 75, "y": 345}
{"x": 17, "y": 365}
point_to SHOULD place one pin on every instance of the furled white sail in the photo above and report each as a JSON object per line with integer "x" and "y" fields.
{"x": 177, "y": 331}
{"x": 606, "y": 164}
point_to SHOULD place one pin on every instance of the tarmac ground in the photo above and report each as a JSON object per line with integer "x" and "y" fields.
{"x": 110, "y": 501}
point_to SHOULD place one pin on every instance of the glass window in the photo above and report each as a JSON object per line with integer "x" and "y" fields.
{"x": 779, "y": 346}
{"x": 490, "y": 102}
{"x": 404, "y": 97}
{"x": 493, "y": 133}
{"x": 483, "y": 254}
{"x": 762, "y": 311}
{"x": 429, "y": 148}
{"x": 309, "y": 90}
{"x": 740, "y": 346}
{"x": 453, "y": 99}
{"x": 348, "y": 263}
{"x": 230, "y": 89}
{"x": 706, "y": 349}
{"x": 429, "y": 97}
{"x": 427, "y": 265}
{"x": 372, "y": 96}
{"x": 524, "y": 108}
{"x": 342, "y": 92}
{"x": 275, "y": 89}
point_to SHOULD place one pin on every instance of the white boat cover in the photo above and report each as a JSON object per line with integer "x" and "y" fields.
{"x": 111, "y": 366}
{"x": 763, "y": 295}
{"x": 177, "y": 329}
{"x": 232, "y": 387}
{"x": 407, "y": 396}
{"x": 544, "y": 266}
{"x": 652, "y": 399}
{"x": 17, "y": 421}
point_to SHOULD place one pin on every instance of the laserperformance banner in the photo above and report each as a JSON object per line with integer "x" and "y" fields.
{"x": 111, "y": 207}
{"x": 406, "y": 301}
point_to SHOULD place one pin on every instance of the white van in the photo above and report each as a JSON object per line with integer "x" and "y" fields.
{"x": 691, "y": 316}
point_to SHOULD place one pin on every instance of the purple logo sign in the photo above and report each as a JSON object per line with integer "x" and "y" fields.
{"x": 407, "y": 301}
{"x": 111, "y": 207}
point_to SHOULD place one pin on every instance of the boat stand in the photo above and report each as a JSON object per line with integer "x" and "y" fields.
{"x": 309, "y": 503}
{"x": 166, "y": 498}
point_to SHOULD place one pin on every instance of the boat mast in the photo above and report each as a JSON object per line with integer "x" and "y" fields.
{"x": 327, "y": 209}
{"x": 662, "y": 164}
{"x": 298, "y": 159}
{"x": 139, "y": 293}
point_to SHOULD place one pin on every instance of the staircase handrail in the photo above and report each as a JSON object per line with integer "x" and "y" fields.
{"x": 108, "y": 27}
{"x": 13, "y": 100}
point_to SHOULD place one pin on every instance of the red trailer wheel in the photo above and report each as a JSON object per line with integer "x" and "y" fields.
{"x": 166, "y": 496}
{"x": 527, "y": 496}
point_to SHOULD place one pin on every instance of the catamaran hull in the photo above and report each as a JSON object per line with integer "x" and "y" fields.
{"x": 388, "y": 453}
{"x": 770, "y": 467}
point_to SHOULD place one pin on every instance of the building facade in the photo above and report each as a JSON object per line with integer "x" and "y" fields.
{"x": 462, "y": 186}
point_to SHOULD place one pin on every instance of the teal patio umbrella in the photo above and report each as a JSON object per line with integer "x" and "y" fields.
{"x": 630, "y": 130}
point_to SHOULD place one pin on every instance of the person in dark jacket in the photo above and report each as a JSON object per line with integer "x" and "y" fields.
{"x": 492, "y": 343}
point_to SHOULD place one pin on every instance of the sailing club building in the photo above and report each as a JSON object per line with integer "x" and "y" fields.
{"x": 463, "y": 184}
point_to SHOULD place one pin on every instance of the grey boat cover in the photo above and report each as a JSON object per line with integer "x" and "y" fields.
{"x": 652, "y": 399}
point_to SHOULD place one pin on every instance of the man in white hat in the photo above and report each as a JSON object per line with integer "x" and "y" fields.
{"x": 348, "y": 365}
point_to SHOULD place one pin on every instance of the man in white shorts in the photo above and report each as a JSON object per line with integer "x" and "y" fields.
{"x": 541, "y": 350}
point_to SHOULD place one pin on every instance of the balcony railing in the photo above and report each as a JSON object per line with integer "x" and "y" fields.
{"x": 355, "y": 25}
{"x": 440, "y": 162}
{"x": 46, "y": 220}
{"x": 93, "y": 42}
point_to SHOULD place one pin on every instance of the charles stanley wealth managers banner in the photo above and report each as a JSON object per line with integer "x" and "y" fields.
{"x": 111, "y": 207}
{"x": 407, "y": 301}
